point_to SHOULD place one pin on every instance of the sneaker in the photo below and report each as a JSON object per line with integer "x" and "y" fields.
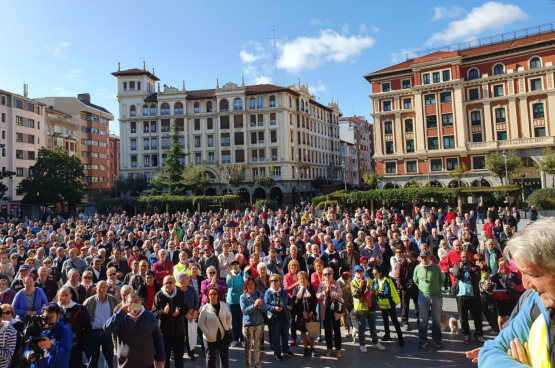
{"x": 438, "y": 345}
{"x": 363, "y": 349}
{"x": 279, "y": 358}
{"x": 234, "y": 344}
{"x": 386, "y": 338}
{"x": 494, "y": 333}
{"x": 422, "y": 344}
{"x": 466, "y": 340}
{"x": 339, "y": 354}
{"x": 480, "y": 340}
{"x": 292, "y": 342}
{"x": 328, "y": 353}
{"x": 306, "y": 353}
{"x": 290, "y": 353}
{"x": 406, "y": 327}
{"x": 313, "y": 353}
{"x": 378, "y": 346}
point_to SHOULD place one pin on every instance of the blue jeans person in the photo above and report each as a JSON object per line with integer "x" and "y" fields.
{"x": 479, "y": 216}
{"x": 100, "y": 338}
{"x": 424, "y": 303}
{"x": 280, "y": 330}
{"x": 236, "y": 321}
{"x": 362, "y": 319}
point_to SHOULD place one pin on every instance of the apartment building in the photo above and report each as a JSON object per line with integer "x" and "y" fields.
{"x": 255, "y": 127}
{"x": 442, "y": 108}
{"x": 114, "y": 158}
{"x": 357, "y": 131}
{"x": 94, "y": 125}
{"x": 22, "y": 134}
{"x": 350, "y": 164}
{"x": 62, "y": 130}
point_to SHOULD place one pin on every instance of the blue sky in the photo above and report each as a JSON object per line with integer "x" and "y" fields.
{"x": 62, "y": 48}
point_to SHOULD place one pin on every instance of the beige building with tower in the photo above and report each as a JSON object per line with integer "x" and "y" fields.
{"x": 255, "y": 127}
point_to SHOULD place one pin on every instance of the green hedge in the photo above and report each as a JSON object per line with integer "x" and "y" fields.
{"x": 266, "y": 202}
{"x": 543, "y": 199}
{"x": 317, "y": 200}
{"x": 151, "y": 204}
{"x": 324, "y": 204}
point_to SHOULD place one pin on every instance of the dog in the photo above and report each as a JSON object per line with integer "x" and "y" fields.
{"x": 451, "y": 322}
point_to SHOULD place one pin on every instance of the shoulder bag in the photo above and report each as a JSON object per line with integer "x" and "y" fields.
{"x": 228, "y": 334}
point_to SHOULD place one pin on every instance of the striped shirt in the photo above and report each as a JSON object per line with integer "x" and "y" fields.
{"x": 8, "y": 336}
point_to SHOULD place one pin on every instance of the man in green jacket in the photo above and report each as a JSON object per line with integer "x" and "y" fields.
{"x": 429, "y": 279}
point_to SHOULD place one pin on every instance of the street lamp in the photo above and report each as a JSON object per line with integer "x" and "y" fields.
{"x": 522, "y": 176}
{"x": 344, "y": 173}
{"x": 506, "y": 174}
{"x": 227, "y": 178}
{"x": 428, "y": 169}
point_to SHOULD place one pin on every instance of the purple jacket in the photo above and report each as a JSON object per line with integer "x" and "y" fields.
{"x": 7, "y": 297}
{"x": 205, "y": 286}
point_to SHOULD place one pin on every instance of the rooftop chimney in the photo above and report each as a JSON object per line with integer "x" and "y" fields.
{"x": 85, "y": 97}
{"x": 144, "y": 65}
{"x": 25, "y": 90}
{"x": 119, "y": 68}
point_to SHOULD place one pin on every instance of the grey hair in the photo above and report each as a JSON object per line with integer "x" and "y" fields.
{"x": 73, "y": 271}
{"x": 125, "y": 288}
{"x": 211, "y": 268}
{"x": 181, "y": 276}
{"x": 535, "y": 244}
{"x": 63, "y": 288}
{"x": 260, "y": 265}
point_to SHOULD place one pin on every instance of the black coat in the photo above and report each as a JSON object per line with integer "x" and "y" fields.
{"x": 327, "y": 258}
{"x": 50, "y": 288}
{"x": 102, "y": 276}
{"x": 170, "y": 325}
{"x": 301, "y": 260}
{"x": 141, "y": 291}
{"x": 81, "y": 295}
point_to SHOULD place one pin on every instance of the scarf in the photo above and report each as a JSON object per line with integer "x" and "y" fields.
{"x": 69, "y": 305}
{"x": 174, "y": 292}
{"x": 278, "y": 291}
{"x": 328, "y": 251}
{"x": 74, "y": 288}
{"x": 3, "y": 326}
{"x": 135, "y": 318}
{"x": 303, "y": 293}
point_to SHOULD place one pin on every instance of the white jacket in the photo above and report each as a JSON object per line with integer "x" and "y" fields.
{"x": 209, "y": 324}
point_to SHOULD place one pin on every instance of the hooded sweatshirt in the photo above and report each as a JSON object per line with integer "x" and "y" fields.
{"x": 170, "y": 325}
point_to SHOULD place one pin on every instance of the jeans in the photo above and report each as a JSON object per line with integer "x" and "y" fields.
{"x": 236, "y": 321}
{"x": 280, "y": 333}
{"x": 424, "y": 304}
{"x": 479, "y": 217}
{"x": 362, "y": 319}
{"x": 406, "y": 296}
{"x": 219, "y": 346}
{"x": 474, "y": 306}
{"x": 177, "y": 344}
{"x": 100, "y": 338}
{"x": 490, "y": 312}
{"x": 335, "y": 325}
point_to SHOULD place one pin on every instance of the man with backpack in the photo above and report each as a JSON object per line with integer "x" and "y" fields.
{"x": 405, "y": 283}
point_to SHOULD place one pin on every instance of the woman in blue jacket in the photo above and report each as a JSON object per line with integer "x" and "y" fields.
{"x": 253, "y": 308}
{"x": 29, "y": 300}
{"x": 279, "y": 305}
{"x": 235, "y": 284}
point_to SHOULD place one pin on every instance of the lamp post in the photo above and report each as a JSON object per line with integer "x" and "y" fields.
{"x": 522, "y": 176}
{"x": 428, "y": 169}
{"x": 506, "y": 173}
{"x": 344, "y": 173}
{"x": 227, "y": 178}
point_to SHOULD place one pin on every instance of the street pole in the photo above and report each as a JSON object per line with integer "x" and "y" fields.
{"x": 344, "y": 173}
{"x": 506, "y": 173}
{"x": 428, "y": 169}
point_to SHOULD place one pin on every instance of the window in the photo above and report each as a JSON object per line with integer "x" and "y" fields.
{"x": 259, "y": 104}
{"x": 226, "y": 157}
{"x": 19, "y": 120}
{"x": 502, "y": 136}
{"x": 198, "y": 158}
{"x": 237, "y": 104}
{"x": 145, "y": 110}
{"x": 389, "y": 147}
{"x": 452, "y": 163}
{"x": 473, "y": 74}
{"x": 19, "y": 154}
{"x": 224, "y": 105}
{"x": 448, "y": 141}
{"x": 146, "y": 144}
{"x": 446, "y": 75}
{"x": 406, "y": 84}
{"x": 277, "y": 171}
{"x": 196, "y": 107}
{"x": 479, "y": 162}
{"x": 498, "y": 69}
{"x": 475, "y": 118}
{"x": 3, "y": 117}
{"x": 225, "y": 139}
{"x": 410, "y": 145}
{"x": 476, "y": 137}
{"x": 538, "y": 111}
{"x": 426, "y": 78}
{"x": 407, "y": 103}
{"x": 388, "y": 127}
{"x": 19, "y": 137}
{"x": 473, "y": 94}
{"x": 387, "y": 106}
{"x": 209, "y": 106}
{"x": 19, "y": 171}
{"x": 197, "y": 124}
{"x": 154, "y": 143}
{"x": 433, "y": 143}
{"x": 409, "y": 126}
{"x": 391, "y": 167}
{"x": 209, "y": 124}
{"x": 430, "y": 99}
{"x": 386, "y": 87}
{"x": 535, "y": 63}
{"x": 165, "y": 143}
{"x": 165, "y": 109}
{"x": 539, "y": 132}
{"x": 252, "y": 103}
{"x": 178, "y": 108}
{"x": 536, "y": 84}
{"x": 431, "y": 121}
{"x": 132, "y": 111}
{"x": 153, "y": 110}
{"x": 411, "y": 166}
{"x": 447, "y": 120}
{"x": 273, "y": 120}
{"x": 498, "y": 90}
{"x": 273, "y": 136}
{"x": 224, "y": 122}
{"x": 3, "y": 134}
{"x": 436, "y": 77}
{"x": 152, "y": 127}
{"x": 445, "y": 97}
{"x": 436, "y": 164}
{"x": 272, "y": 101}
{"x": 500, "y": 115}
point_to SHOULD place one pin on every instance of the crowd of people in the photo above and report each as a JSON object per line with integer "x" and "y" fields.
{"x": 150, "y": 288}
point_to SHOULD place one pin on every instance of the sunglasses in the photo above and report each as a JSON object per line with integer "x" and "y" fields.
{"x": 211, "y": 273}
{"x": 272, "y": 281}
{"x": 46, "y": 262}
{"x": 327, "y": 274}
{"x": 111, "y": 274}
{"x": 87, "y": 278}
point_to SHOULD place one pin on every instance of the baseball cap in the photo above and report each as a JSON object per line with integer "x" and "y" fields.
{"x": 424, "y": 254}
{"x": 358, "y": 268}
{"x": 207, "y": 247}
{"x": 24, "y": 267}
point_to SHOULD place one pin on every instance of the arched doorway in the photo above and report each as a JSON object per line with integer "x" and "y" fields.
{"x": 245, "y": 195}
{"x": 211, "y": 192}
{"x": 276, "y": 195}
{"x": 259, "y": 193}
{"x": 455, "y": 184}
{"x": 435, "y": 184}
{"x": 480, "y": 183}
{"x": 391, "y": 185}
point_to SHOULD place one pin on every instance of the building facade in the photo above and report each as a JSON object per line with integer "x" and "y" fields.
{"x": 350, "y": 164}
{"x": 94, "y": 124}
{"x": 115, "y": 157}
{"x": 258, "y": 128}
{"x": 357, "y": 131}
{"x": 448, "y": 108}
{"x": 22, "y": 134}
{"x": 62, "y": 130}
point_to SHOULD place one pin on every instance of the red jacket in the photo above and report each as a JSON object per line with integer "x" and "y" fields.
{"x": 487, "y": 228}
{"x": 450, "y": 217}
{"x": 162, "y": 269}
{"x": 450, "y": 260}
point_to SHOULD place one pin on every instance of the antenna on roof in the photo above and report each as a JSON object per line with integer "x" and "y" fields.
{"x": 275, "y": 60}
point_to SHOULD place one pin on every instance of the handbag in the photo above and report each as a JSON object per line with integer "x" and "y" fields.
{"x": 337, "y": 306}
{"x": 368, "y": 298}
{"x": 228, "y": 334}
{"x": 500, "y": 294}
{"x": 312, "y": 328}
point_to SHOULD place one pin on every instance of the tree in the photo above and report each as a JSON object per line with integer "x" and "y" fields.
{"x": 3, "y": 187}
{"x": 195, "y": 178}
{"x": 459, "y": 172}
{"x": 56, "y": 178}
{"x": 174, "y": 157}
{"x": 373, "y": 178}
{"x": 266, "y": 181}
{"x": 319, "y": 182}
{"x": 235, "y": 178}
{"x": 547, "y": 164}
{"x": 495, "y": 163}
{"x": 135, "y": 183}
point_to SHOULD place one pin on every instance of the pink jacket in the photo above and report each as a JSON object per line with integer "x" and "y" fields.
{"x": 289, "y": 284}
{"x": 162, "y": 269}
{"x": 336, "y": 294}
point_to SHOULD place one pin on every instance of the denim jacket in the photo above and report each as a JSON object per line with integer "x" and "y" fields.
{"x": 252, "y": 316}
{"x": 271, "y": 300}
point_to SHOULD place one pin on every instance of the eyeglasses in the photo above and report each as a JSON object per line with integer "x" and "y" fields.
{"x": 168, "y": 283}
{"x": 111, "y": 274}
{"x": 327, "y": 274}
{"x": 272, "y": 281}
{"x": 211, "y": 273}
{"x": 46, "y": 262}
{"x": 87, "y": 277}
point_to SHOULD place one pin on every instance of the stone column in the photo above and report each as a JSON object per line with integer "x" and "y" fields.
{"x": 419, "y": 123}
{"x": 398, "y": 130}
{"x": 461, "y": 124}
{"x": 524, "y": 118}
{"x": 488, "y": 128}
{"x": 512, "y": 123}
{"x": 550, "y": 117}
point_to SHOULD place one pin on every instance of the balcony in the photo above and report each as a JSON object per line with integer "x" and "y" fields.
{"x": 273, "y": 122}
{"x": 226, "y": 144}
{"x": 133, "y": 163}
{"x": 133, "y": 148}
{"x": 165, "y": 129}
{"x": 512, "y": 143}
{"x": 274, "y": 158}
{"x": 146, "y": 147}
{"x": 165, "y": 146}
{"x": 133, "y": 130}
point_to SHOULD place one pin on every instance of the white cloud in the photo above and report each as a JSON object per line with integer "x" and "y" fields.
{"x": 345, "y": 28}
{"x": 249, "y": 58}
{"x": 316, "y": 22}
{"x": 399, "y": 57}
{"x": 374, "y": 28}
{"x": 262, "y": 79}
{"x": 452, "y": 12}
{"x": 490, "y": 16}
{"x": 57, "y": 50}
{"x": 62, "y": 92}
{"x": 312, "y": 52}
{"x": 363, "y": 28}
{"x": 318, "y": 88}
{"x": 74, "y": 74}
